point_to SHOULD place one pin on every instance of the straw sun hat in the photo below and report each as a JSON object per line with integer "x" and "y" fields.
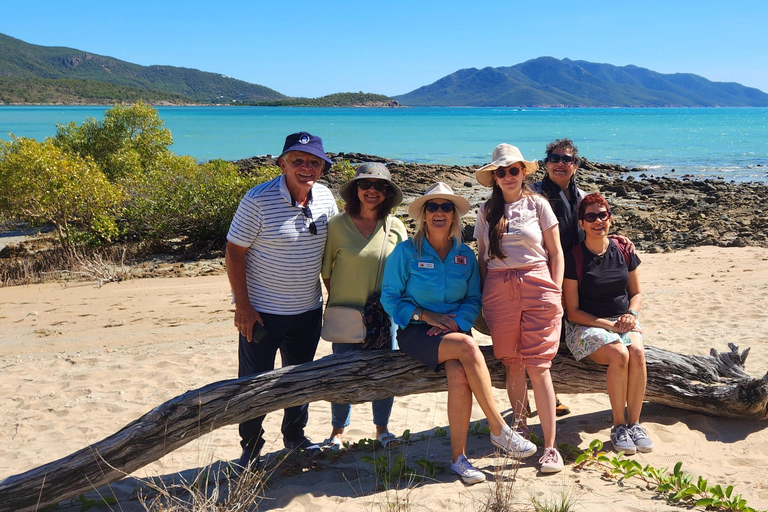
{"x": 438, "y": 190}
{"x": 503, "y": 156}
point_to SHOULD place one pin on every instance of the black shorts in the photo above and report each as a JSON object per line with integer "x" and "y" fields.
{"x": 417, "y": 344}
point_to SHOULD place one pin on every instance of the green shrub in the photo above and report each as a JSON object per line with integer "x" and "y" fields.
{"x": 41, "y": 183}
{"x": 180, "y": 199}
{"x": 129, "y": 140}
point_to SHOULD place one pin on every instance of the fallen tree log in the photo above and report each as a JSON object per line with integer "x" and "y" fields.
{"x": 716, "y": 385}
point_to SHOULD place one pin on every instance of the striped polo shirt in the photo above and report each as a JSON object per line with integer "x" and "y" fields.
{"x": 283, "y": 259}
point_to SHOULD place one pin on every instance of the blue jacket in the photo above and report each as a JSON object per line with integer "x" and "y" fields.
{"x": 450, "y": 286}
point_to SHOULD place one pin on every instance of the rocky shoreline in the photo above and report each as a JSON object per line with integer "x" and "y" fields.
{"x": 658, "y": 214}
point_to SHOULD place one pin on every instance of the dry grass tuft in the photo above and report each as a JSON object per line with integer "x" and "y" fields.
{"x": 214, "y": 490}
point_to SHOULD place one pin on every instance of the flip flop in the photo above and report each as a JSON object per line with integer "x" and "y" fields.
{"x": 333, "y": 444}
{"x": 387, "y": 438}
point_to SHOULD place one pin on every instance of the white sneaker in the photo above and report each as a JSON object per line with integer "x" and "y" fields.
{"x": 551, "y": 461}
{"x": 468, "y": 473}
{"x": 513, "y": 443}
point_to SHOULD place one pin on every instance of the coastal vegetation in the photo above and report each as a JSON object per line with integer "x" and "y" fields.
{"x": 75, "y": 91}
{"x": 116, "y": 179}
{"x": 342, "y": 99}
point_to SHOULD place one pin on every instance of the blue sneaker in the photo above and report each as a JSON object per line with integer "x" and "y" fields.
{"x": 622, "y": 440}
{"x": 640, "y": 437}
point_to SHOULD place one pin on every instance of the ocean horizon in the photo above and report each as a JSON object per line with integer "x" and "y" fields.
{"x": 727, "y": 143}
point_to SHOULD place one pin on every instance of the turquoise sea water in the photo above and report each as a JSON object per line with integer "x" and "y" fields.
{"x": 706, "y": 142}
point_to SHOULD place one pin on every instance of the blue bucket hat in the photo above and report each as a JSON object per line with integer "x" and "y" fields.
{"x": 308, "y": 143}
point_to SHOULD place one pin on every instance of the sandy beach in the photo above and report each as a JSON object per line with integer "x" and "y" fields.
{"x": 78, "y": 362}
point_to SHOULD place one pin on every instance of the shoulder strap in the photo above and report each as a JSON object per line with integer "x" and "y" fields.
{"x": 623, "y": 249}
{"x": 388, "y": 224}
{"x": 578, "y": 258}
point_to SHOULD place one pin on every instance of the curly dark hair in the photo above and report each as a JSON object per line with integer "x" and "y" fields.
{"x": 352, "y": 203}
{"x": 565, "y": 145}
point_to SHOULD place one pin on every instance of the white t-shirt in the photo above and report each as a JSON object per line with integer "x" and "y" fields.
{"x": 522, "y": 240}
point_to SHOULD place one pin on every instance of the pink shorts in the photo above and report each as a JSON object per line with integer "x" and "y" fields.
{"x": 523, "y": 308}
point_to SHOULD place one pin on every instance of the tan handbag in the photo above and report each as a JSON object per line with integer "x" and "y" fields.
{"x": 342, "y": 324}
{"x": 345, "y": 324}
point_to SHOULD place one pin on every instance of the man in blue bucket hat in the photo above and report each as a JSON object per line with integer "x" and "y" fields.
{"x": 274, "y": 254}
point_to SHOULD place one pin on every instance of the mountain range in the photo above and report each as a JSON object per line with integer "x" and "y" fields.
{"x": 30, "y": 73}
{"x": 550, "y": 82}
{"x": 39, "y": 74}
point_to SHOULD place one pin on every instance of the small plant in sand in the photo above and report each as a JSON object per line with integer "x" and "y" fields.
{"x": 440, "y": 432}
{"x": 677, "y": 487}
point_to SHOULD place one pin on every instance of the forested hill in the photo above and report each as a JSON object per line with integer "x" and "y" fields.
{"x": 39, "y": 74}
{"x": 547, "y": 81}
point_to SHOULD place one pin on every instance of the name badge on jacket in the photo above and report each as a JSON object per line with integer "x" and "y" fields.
{"x": 460, "y": 260}
{"x": 426, "y": 264}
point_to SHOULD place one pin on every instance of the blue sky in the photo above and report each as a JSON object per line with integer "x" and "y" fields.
{"x": 316, "y": 48}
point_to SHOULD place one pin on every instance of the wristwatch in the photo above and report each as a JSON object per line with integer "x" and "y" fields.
{"x": 633, "y": 313}
{"x": 417, "y": 314}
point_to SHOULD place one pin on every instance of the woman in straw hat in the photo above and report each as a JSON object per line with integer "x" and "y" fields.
{"x": 521, "y": 266}
{"x": 432, "y": 290}
{"x": 351, "y": 265}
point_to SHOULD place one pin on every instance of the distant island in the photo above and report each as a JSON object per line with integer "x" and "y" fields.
{"x": 550, "y": 82}
{"x": 32, "y": 74}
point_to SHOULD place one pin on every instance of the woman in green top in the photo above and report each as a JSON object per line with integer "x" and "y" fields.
{"x": 350, "y": 265}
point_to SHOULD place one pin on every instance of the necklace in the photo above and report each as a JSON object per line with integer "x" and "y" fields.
{"x": 364, "y": 227}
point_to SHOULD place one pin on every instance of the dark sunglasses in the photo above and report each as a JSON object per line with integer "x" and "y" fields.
{"x": 556, "y": 159}
{"x": 500, "y": 172}
{"x": 592, "y": 217}
{"x": 380, "y": 186}
{"x": 308, "y": 214}
{"x": 433, "y": 207}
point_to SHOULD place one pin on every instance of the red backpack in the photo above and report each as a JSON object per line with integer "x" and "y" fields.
{"x": 578, "y": 256}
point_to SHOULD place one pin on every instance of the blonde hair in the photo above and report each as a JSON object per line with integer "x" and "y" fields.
{"x": 421, "y": 230}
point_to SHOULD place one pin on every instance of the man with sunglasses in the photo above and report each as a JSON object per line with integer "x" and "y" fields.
{"x": 274, "y": 253}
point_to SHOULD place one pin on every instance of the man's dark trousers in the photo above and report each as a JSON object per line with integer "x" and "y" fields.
{"x": 296, "y": 337}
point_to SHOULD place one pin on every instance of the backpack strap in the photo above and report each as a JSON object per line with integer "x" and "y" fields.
{"x": 623, "y": 249}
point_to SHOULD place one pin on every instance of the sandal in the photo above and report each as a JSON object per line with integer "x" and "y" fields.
{"x": 333, "y": 444}
{"x": 387, "y": 438}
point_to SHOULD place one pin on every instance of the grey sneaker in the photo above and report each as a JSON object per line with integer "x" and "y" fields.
{"x": 640, "y": 438}
{"x": 513, "y": 443}
{"x": 469, "y": 474}
{"x": 622, "y": 440}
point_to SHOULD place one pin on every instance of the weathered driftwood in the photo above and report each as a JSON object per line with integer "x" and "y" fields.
{"x": 715, "y": 385}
